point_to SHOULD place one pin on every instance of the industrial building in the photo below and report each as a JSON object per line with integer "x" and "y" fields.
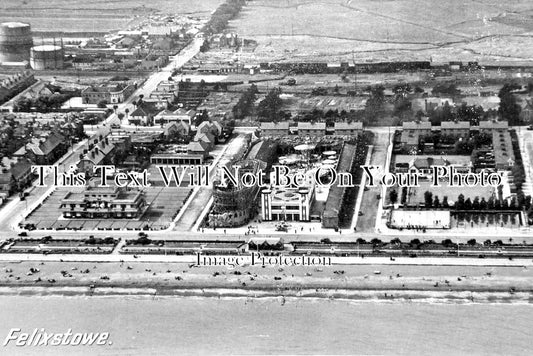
{"x": 48, "y": 56}
{"x": 15, "y": 42}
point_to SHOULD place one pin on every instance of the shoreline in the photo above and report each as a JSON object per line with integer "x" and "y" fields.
{"x": 467, "y": 295}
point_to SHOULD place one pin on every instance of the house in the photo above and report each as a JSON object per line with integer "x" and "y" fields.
{"x": 99, "y": 154}
{"x": 490, "y": 125}
{"x": 455, "y": 128}
{"x": 348, "y": 129}
{"x": 311, "y": 129}
{"x": 16, "y": 177}
{"x": 212, "y": 127}
{"x": 198, "y": 147}
{"x": 185, "y": 115}
{"x": 274, "y": 129}
{"x": 44, "y": 151}
{"x": 207, "y": 138}
{"x": 143, "y": 114}
{"x": 166, "y": 91}
{"x": 140, "y": 116}
{"x": 14, "y": 84}
{"x": 176, "y": 129}
{"x": 109, "y": 93}
{"x": 164, "y": 117}
{"x": 413, "y": 131}
{"x": 526, "y": 115}
{"x": 6, "y": 182}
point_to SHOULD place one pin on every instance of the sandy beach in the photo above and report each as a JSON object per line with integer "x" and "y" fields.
{"x": 357, "y": 282}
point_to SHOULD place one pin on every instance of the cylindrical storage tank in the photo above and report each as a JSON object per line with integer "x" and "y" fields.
{"x": 46, "y": 57}
{"x": 15, "y": 42}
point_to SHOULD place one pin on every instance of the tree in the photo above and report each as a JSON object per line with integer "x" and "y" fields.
{"x": 468, "y": 204}
{"x": 375, "y": 241}
{"x": 444, "y": 89}
{"x": 509, "y": 109}
{"x": 404, "y": 195}
{"x": 445, "y": 202}
{"x": 102, "y": 104}
{"x": 374, "y": 104}
{"x": 512, "y": 205}
{"x": 505, "y": 204}
{"x": 460, "y": 203}
{"x": 270, "y": 106}
{"x": 447, "y": 243}
{"x": 436, "y": 202}
{"x": 472, "y": 242}
{"x": 115, "y": 107}
{"x": 393, "y": 196}
{"x": 396, "y": 241}
{"x": 527, "y": 202}
{"x": 244, "y": 106}
{"x": 483, "y": 204}
{"x": 491, "y": 203}
{"x": 415, "y": 243}
{"x": 428, "y": 199}
{"x": 475, "y": 203}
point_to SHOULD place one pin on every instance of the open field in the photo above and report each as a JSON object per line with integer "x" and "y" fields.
{"x": 387, "y": 30}
{"x": 416, "y": 195}
{"x": 95, "y": 16}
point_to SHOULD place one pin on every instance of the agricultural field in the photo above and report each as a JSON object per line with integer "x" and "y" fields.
{"x": 96, "y": 15}
{"x": 387, "y": 30}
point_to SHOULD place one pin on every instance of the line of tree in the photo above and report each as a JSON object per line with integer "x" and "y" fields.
{"x": 222, "y": 15}
{"x": 477, "y": 204}
{"x": 44, "y": 103}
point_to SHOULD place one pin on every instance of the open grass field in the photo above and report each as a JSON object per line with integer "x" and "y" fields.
{"x": 95, "y": 15}
{"x": 388, "y": 29}
{"x": 417, "y": 194}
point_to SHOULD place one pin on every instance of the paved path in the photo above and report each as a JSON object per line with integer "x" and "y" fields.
{"x": 496, "y": 262}
{"x": 370, "y": 203}
{"x": 525, "y": 138}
